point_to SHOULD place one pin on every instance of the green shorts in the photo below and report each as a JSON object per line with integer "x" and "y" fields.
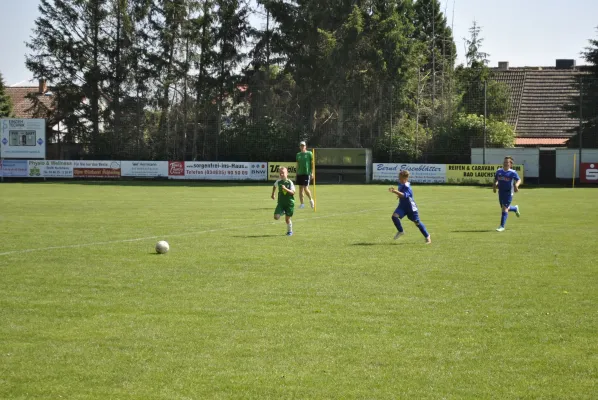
{"x": 285, "y": 210}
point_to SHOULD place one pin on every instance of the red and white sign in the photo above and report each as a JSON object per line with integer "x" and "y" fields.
{"x": 589, "y": 172}
{"x": 176, "y": 170}
{"x": 96, "y": 169}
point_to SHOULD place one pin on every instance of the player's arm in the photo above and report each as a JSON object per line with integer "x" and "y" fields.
{"x": 274, "y": 189}
{"x": 395, "y": 191}
{"x": 313, "y": 166}
{"x": 495, "y": 184}
{"x": 517, "y": 184}
{"x": 290, "y": 190}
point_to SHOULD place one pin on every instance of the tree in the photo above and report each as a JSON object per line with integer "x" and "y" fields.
{"x": 6, "y": 109}
{"x": 480, "y": 94}
{"x": 69, "y": 47}
{"x": 230, "y": 35}
{"x": 474, "y": 56}
{"x": 438, "y": 53}
{"x": 584, "y": 107}
{"x": 467, "y": 131}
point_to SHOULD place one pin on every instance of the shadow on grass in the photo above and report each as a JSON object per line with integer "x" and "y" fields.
{"x": 255, "y": 236}
{"x": 474, "y": 231}
{"x": 382, "y": 243}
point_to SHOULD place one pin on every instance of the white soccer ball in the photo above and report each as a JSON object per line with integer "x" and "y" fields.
{"x": 162, "y": 247}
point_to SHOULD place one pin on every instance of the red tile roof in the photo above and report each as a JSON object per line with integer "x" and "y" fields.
{"x": 523, "y": 141}
{"x": 22, "y": 106}
{"x": 538, "y": 100}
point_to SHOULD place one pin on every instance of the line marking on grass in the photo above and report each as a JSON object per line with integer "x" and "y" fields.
{"x": 75, "y": 246}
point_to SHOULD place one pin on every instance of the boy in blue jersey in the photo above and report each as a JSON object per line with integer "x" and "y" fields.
{"x": 406, "y": 207}
{"x": 506, "y": 181}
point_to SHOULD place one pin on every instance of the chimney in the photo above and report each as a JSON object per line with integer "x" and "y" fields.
{"x": 565, "y": 64}
{"x": 503, "y": 65}
{"x": 43, "y": 86}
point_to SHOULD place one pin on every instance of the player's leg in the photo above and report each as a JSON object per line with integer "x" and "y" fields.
{"x": 505, "y": 202}
{"x": 301, "y": 183}
{"x": 278, "y": 212}
{"x": 396, "y": 220}
{"x": 288, "y": 214}
{"x": 515, "y": 209}
{"x": 307, "y": 191}
{"x": 301, "y": 189}
{"x": 414, "y": 217}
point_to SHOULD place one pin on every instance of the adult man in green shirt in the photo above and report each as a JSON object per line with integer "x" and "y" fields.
{"x": 305, "y": 170}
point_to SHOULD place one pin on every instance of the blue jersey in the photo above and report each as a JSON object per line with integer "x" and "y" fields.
{"x": 407, "y": 203}
{"x": 506, "y": 180}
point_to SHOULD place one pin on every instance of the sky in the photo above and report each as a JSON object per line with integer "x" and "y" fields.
{"x": 522, "y": 32}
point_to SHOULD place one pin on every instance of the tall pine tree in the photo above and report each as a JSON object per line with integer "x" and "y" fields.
{"x": 584, "y": 107}
{"x": 6, "y": 109}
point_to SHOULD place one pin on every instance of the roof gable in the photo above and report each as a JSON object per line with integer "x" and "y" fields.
{"x": 23, "y": 107}
{"x": 538, "y": 99}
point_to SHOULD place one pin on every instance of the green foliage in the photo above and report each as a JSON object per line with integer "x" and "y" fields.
{"x": 239, "y": 140}
{"x": 480, "y": 94}
{"x": 473, "y": 84}
{"x": 587, "y": 87}
{"x": 404, "y": 143}
{"x": 343, "y": 72}
{"x": 6, "y": 109}
{"x": 467, "y": 131}
{"x": 475, "y": 56}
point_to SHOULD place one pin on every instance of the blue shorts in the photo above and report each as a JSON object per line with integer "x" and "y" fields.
{"x": 411, "y": 215}
{"x": 505, "y": 198}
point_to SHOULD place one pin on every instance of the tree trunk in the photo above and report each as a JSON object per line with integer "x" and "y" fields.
{"x": 94, "y": 100}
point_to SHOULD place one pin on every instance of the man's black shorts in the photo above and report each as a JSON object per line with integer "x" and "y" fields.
{"x": 303, "y": 180}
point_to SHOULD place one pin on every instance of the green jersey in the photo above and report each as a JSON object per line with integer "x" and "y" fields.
{"x": 285, "y": 199}
{"x": 304, "y": 163}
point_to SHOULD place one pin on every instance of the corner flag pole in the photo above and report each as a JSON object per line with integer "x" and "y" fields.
{"x": 315, "y": 202}
{"x": 574, "y": 166}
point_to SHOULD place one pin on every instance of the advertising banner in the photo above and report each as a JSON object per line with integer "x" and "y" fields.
{"x": 274, "y": 168}
{"x": 96, "y": 169}
{"x": 176, "y": 170}
{"x": 144, "y": 169}
{"x": 50, "y": 169}
{"x": 224, "y": 170}
{"x": 258, "y": 171}
{"x": 476, "y": 173}
{"x": 13, "y": 168}
{"x": 418, "y": 173}
{"x": 589, "y": 172}
{"x": 22, "y": 138}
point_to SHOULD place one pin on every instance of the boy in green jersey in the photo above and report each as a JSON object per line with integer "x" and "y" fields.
{"x": 305, "y": 171}
{"x": 286, "y": 199}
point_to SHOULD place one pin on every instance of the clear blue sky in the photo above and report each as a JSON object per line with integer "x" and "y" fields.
{"x": 523, "y": 32}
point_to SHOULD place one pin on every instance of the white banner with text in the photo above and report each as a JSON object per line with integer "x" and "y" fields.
{"x": 418, "y": 173}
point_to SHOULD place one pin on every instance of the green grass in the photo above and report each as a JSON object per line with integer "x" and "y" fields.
{"x": 338, "y": 311}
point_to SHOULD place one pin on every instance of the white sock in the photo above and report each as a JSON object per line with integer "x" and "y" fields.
{"x": 290, "y": 227}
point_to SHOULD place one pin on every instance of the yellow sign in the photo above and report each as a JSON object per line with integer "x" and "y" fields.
{"x": 274, "y": 168}
{"x": 476, "y": 173}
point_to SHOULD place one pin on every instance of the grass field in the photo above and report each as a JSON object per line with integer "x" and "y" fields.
{"x": 337, "y": 311}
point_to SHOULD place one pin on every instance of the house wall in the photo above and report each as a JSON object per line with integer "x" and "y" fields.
{"x": 564, "y": 161}
{"x": 529, "y": 157}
